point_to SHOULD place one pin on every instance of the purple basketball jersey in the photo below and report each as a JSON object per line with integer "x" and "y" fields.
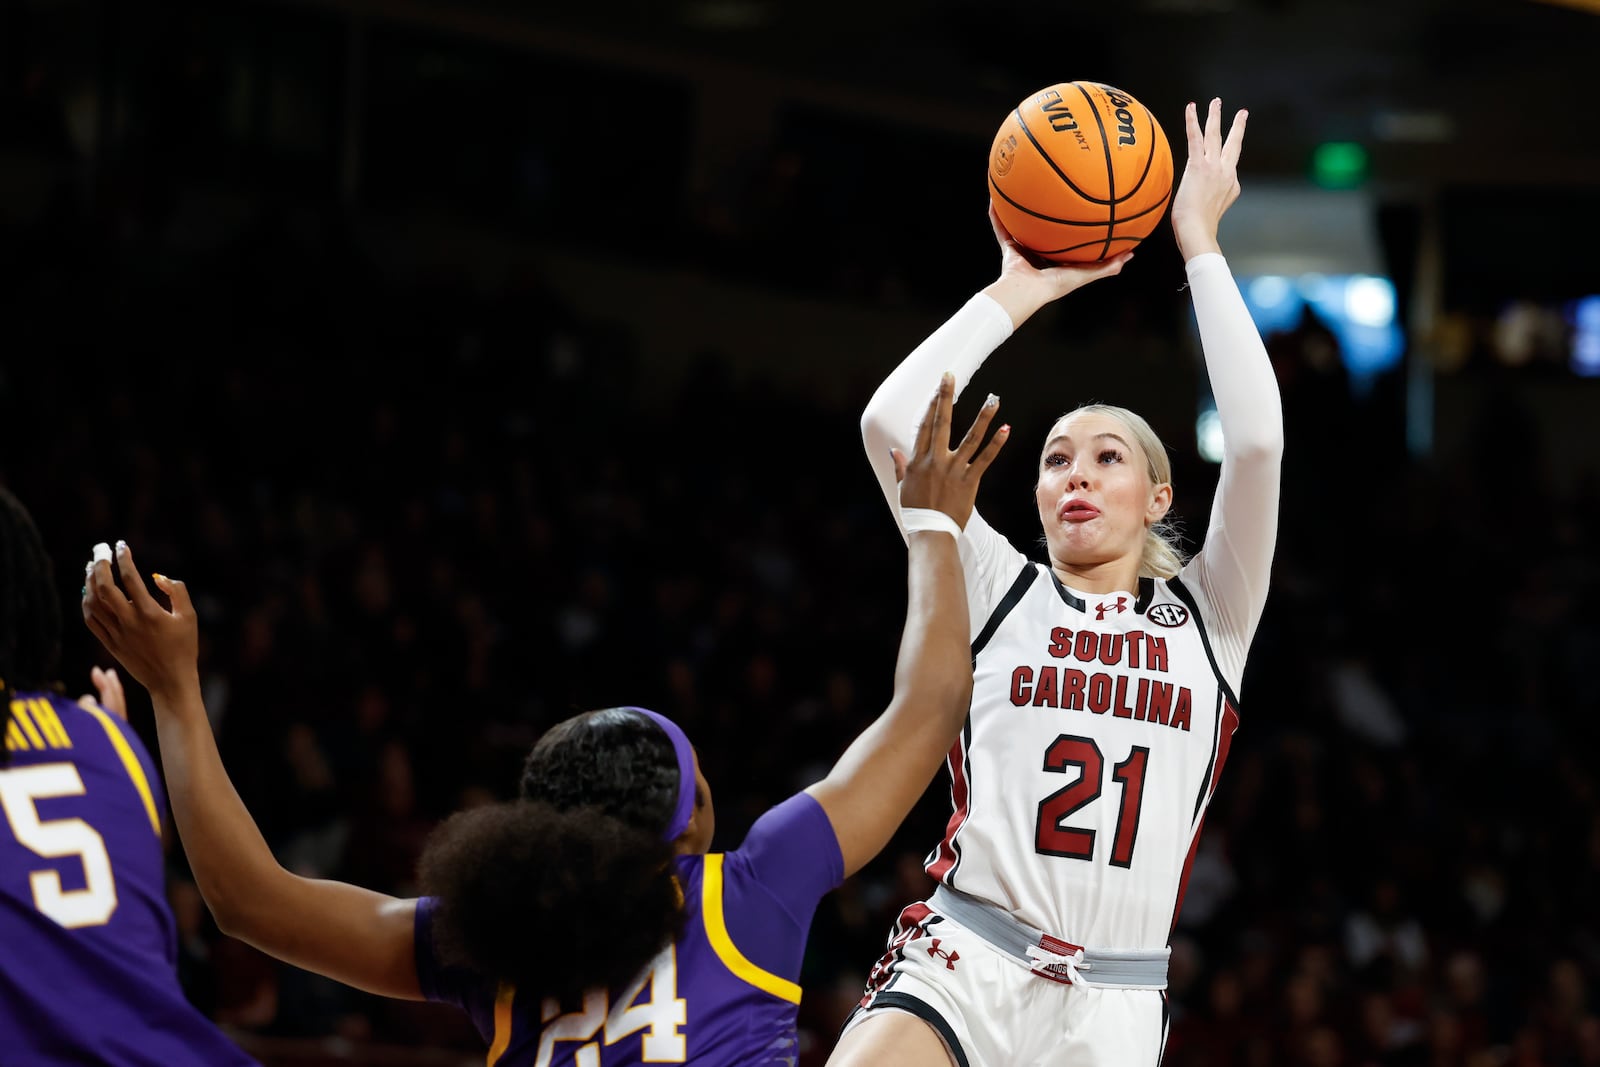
{"x": 724, "y": 994}
{"x": 88, "y": 946}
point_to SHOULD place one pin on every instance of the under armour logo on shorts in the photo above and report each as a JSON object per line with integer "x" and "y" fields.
{"x": 948, "y": 957}
{"x": 1102, "y": 607}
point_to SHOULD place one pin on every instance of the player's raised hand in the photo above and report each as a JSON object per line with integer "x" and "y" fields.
{"x": 159, "y": 647}
{"x": 938, "y": 477}
{"x": 1027, "y": 283}
{"x": 1210, "y": 181}
{"x": 1051, "y": 280}
{"x": 109, "y": 685}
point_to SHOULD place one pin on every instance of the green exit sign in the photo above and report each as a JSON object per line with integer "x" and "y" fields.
{"x": 1339, "y": 165}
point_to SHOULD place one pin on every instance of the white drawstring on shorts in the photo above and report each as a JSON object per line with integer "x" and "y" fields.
{"x": 1071, "y": 964}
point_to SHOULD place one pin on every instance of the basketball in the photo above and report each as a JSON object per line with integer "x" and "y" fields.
{"x": 1080, "y": 172}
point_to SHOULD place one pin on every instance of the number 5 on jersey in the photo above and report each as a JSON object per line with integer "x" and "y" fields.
{"x": 20, "y": 790}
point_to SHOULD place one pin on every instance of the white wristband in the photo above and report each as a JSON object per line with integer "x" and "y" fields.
{"x": 917, "y": 520}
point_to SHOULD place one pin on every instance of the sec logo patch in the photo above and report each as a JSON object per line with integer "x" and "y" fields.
{"x": 1168, "y": 615}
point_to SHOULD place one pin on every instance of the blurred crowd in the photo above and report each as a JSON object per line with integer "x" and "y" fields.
{"x": 424, "y": 520}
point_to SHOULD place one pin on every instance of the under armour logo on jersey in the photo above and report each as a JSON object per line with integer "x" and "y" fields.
{"x": 948, "y": 957}
{"x": 1102, "y": 607}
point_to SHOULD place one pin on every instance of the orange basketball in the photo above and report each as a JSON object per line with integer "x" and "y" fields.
{"x": 1079, "y": 172}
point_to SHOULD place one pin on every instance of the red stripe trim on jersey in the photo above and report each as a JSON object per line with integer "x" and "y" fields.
{"x": 906, "y": 927}
{"x": 1225, "y": 731}
{"x": 1183, "y": 882}
{"x": 947, "y": 855}
{"x": 1220, "y": 724}
{"x": 1179, "y": 590}
{"x": 1230, "y": 723}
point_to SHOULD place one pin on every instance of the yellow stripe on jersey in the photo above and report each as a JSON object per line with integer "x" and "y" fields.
{"x": 130, "y": 762}
{"x": 727, "y": 952}
{"x": 502, "y": 1022}
{"x": 19, "y": 715}
{"x": 55, "y": 734}
{"x": 14, "y": 738}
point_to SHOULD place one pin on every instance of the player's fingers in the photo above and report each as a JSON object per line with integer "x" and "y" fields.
{"x": 947, "y": 409}
{"x": 925, "y": 427}
{"x": 98, "y": 627}
{"x": 1235, "y": 142}
{"x": 939, "y": 423}
{"x": 1213, "y": 129}
{"x": 109, "y": 603}
{"x": 87, "y": 702}
{"x": 112, "y": 698}
{"x": 899, "y": 459}
{"x": 1191, "y": 128}
{"x": 980, "y": 426}
{"x": 176, "y": 592}
{"x": 100, "y": 553}
{"x": 99, "y": 619}
{"x": 1112, "y": 266}
{"x": 981, "y": 461}
{"x": 1001, "y": 234}
{"x": 133, "y": 581}
{"x": 85, "y": 600}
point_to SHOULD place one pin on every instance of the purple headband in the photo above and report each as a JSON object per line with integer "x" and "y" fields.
{"x": 685, "y": 753}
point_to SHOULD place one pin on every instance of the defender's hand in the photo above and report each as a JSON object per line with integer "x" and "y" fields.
{"x": 160, "y": 648}
{"x": 939, "y": 477}
{"x": 109, "y": 685}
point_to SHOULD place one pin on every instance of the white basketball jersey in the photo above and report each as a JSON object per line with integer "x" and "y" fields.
{"x": 1098, "y": 729}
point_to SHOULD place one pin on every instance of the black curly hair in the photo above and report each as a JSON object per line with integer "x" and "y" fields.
{"x": 570, "y": 887}
{"x": 30, "y": 614}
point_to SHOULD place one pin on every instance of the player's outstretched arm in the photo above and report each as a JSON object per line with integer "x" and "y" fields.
{"x": 1236, "y": 562}
{"x": 880, "y": 776}
{"x": 346, "y": 933}
{"x": 962, "y": 344}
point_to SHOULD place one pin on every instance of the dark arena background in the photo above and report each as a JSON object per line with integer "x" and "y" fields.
{"x": 481, "y": 362}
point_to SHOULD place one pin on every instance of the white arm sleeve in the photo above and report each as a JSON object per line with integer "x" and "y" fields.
{"x": 890, "y": 421}
{"x": 990, "y": 566}
{"x": 1230, "y": 573}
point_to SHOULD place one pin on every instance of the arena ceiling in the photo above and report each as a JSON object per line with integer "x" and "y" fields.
{"x": 1440, "y": 92}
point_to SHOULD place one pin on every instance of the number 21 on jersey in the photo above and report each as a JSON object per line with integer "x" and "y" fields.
{"x": 1053, "y": 839}
{"x": 660, "y": 1016}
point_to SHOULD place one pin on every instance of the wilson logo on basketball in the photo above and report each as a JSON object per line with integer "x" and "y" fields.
{"x": 948, "y": 957}
{"x": 1168, "y": 615}
{"x": 1124, "y": 117}
{"x": 1005, "y": 154}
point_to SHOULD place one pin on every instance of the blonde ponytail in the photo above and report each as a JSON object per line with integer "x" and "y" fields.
{"x": 1161, "y": 558}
